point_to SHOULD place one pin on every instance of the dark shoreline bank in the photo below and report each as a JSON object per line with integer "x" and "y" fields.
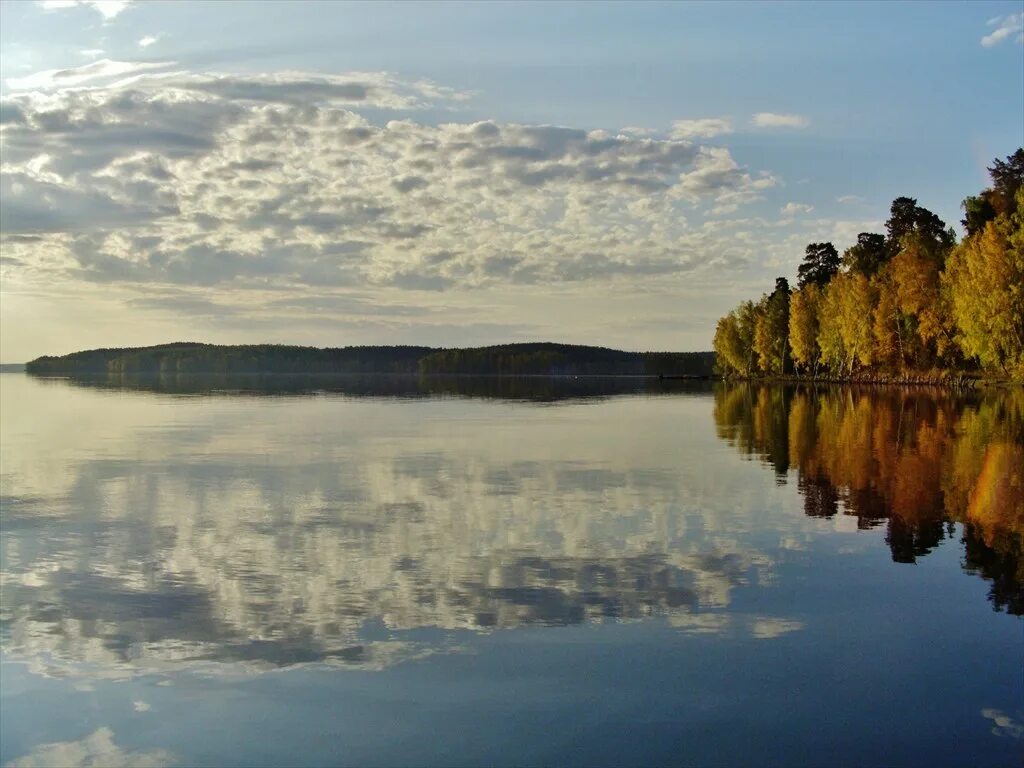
{"x": 541, "y": 358}
{"x": 957, "y": 382}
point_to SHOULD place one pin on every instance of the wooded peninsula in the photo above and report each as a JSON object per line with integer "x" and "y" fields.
{"x": 530, "y": 359}
{"x": 912, "y": 304}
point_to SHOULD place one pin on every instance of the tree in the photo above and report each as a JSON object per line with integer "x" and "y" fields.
{"x": 776, "y": 321}
{"x": 915, "y": 273}
{"x": 985, "y": 277}
{"x": 771, "y": 333}
{"x": 907, "y": 217}
{"x": 820, "y": 264}
{"x": 856, "y": 303}
{"x": 902, "y": 219}
{"x": 868, "y": 255}
{"x": 978, "y": 211}
{"x": 729, "y": 354}
{"x": 844, "y": 334}
{"x": 830, "y": 337}
{"x": 763, "y": 338}
{"x": 909, "y": 298}
{"x": 1007, "y": 178}
{"x": 734, "y": 340}
{"x": 887, "y": 323}
{"x": 804, "y": 306}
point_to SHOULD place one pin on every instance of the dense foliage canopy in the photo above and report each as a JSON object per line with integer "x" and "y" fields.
{"x": 910, "y": 301}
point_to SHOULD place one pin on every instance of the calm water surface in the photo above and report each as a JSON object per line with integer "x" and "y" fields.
{"x": 319, "y": 572}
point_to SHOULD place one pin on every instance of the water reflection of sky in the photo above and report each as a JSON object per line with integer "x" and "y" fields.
{"x": 592, "y": 581}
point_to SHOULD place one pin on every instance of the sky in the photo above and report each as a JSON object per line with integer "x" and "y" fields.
{"x": 457, "y": 174}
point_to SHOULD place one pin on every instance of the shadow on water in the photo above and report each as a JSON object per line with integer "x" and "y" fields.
{"x": 523, "y": 388}
{"x": 917, "y": 462}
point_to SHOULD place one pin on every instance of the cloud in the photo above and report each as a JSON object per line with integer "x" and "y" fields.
{"x": 1006, "y": 27}
{"x": 1003, "y": 724}
{"x": 845, "y": 199}
{"x": 700, "y": 623}
{"x": 99, "y": 72}
{"x": 139, "y": 176}
{"x": 158, "y": 79}
{"x": 769, "y": 627}
{"x": 776, "y": 120}
{"x": 140, "y": 706}
{"x": 792, "y": 209}
{"x": 351, "y": 306}
{"x": 96, "y": 749}
{"x": 147, "y": 41}
{"x": 634, "y": 130}
{"x": 717, "y": 174}
{"x": 704, "y": 128}
{"x": 108, "y": 9}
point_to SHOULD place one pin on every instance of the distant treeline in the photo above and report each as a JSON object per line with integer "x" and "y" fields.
{"x": 510, "y": 360}
{"x": 565, "y": 359}
{"x": 192, "y": 358}
{"x": 911, "y": 302}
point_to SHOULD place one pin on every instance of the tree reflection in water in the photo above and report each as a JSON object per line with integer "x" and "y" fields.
{"x": 920, "y": 462}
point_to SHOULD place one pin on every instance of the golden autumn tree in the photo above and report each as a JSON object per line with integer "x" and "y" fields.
{"x": 909, "y": 299}
{"x": 985, "y": 277}
{"x": 763, "y": 339}
{"x": 734, "y": 340}
{"x": 728, "y": 345}
{"x": 849, "y": 302}
{"x": 886, "y": 324}
{"x": 804, "y": 308}
{"x": 830, "y": 337}
{"x": 771, "y": 330}
{"x": 914, "y": 273}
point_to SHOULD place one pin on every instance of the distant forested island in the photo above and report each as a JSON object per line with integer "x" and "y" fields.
{"x": 530, "y": 359}
{"x": 910, "y": 303}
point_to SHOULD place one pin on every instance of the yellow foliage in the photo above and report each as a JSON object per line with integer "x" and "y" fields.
{"x": 985, "y": 277}
{"x": 845, "y": 335}
{"x": 803, "y": 325}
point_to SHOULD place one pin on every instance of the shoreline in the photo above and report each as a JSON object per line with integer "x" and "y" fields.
{"x": 951, "y": 381}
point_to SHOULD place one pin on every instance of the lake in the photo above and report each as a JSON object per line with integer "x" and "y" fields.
{"x": 314, "y": 571}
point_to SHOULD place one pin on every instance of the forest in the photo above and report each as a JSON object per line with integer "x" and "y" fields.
{"x": 910, "y": 304}
{"x": 543, "y": 359}
{"x": 195, "y": 358}
{"x": 565, "y": 359}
